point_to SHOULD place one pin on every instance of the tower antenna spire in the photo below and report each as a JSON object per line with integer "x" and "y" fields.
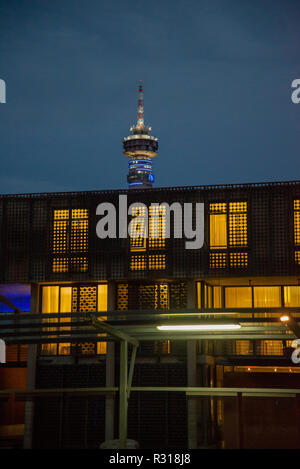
{"x": 140, "y": 119}
{"x": 140, "y": 148}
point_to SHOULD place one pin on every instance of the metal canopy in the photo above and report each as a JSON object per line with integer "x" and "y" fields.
{"x": 130, "y": 327}
{"x": 27, "y": 328}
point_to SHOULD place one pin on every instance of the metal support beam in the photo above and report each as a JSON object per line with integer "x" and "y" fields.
{"x": 110, "y": 382}
{"x": 190, "y": 391}
{"x": 113, "y": 331}
{"x": 131, "y": 369}
{"x": 27, "y": 394}
{"x": 123, "y": 408}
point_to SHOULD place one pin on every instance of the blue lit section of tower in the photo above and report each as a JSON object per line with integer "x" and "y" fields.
{"x": 140, "y": 148}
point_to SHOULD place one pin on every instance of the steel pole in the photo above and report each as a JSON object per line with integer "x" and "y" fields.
{"x": 123, "y": 394}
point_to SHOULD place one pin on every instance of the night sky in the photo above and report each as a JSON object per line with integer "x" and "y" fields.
{"x": 217, "y": 78}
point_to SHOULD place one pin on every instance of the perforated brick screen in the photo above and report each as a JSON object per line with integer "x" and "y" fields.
{"x": 38, "y": 243}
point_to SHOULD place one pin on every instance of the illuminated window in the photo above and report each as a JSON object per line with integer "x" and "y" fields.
{"x": 60, "y": 264}
{"x": 157, "y": 261}
{"x": 292, "y": 296}
{"x": 50, "y": 304}
{"x": 241, "y": 297}
{"x": 63, "y": 299}
{"x": 297, "y": 230}
{"x": 238, "y": 297}
{"x": 269, "y": 347}
{"x": 218, "y": 208}
{"x": 269, "y": 297}
{"x": 218, "y": 260}
{"x": 122, "y": 296}
{"x": 207, "y": 296}
{"x": 218, "y": 231}
{"x": 138, "y": 243}
{"x": 228, "y": 231}
{"x": 238, "y": 259}
{"x": 212, "y": 296}
{"x": 138, "y": 263}
{"x": 102, "y": 306}
{"x": 70, "y": 236}
{"x": 157, "y": 227}
{"x": 164, "y": 296}
{"x": 65, "y": 307}
{"x": 79, "y": 231}
{"x": 297, "y": 222}
{"x": 156, "y": 240}
{"x": 60, "y": 231}
{"x": 217, "y": 292}
{"x": 199, "y": 295}
{"x": 238, "y": 224}
{"x": 243, "y": 347}
{"x": 86, "y": 303}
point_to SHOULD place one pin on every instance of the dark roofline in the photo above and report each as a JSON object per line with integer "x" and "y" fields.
{"x": 155, "y": 189}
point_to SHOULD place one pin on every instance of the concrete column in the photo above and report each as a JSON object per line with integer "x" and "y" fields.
{"x": 110, "y": 370}
{"x": 192, "y": 372}
{"x": 31, "y": 373}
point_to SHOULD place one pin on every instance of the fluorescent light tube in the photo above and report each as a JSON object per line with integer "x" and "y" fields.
{"x": 201, "y": 327}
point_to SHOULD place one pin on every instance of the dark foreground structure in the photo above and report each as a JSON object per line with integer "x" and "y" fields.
{"x": 73, "y": 304}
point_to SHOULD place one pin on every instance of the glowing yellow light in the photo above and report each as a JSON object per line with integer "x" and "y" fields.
{"x": 201, "y": 327}
{"x": 284, "y": 318}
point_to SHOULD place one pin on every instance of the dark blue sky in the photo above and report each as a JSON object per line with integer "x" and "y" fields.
{"x": 217, "y": 77}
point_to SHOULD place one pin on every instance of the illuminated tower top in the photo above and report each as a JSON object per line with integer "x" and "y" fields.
{"x": 140, "y": 147}
{"x": 140, "y": 119}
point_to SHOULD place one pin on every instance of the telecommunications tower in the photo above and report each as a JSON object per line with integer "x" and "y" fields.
{"x": 140, "y": 148}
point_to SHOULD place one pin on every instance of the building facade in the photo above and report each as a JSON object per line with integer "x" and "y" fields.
{"x": 52, "y": 261}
